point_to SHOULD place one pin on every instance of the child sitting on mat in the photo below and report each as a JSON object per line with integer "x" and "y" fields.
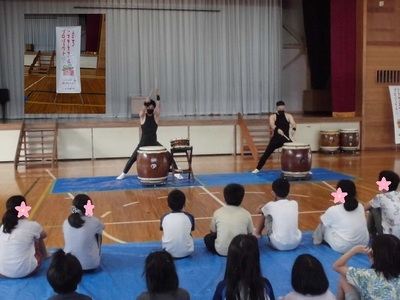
{"x": 64, "y": 275}
{"x": 280, "y": 218}
{"x": 177, "y": 226}
{"x": 243, "y": 277}
{"x": 22, "y": 247}
{"x": 343, "y": 225}
{"x": 309, "y": 280}
{"x": 161, "y": 278}
{"x": 228, "y": 221}
{"x": 82, "y": 233}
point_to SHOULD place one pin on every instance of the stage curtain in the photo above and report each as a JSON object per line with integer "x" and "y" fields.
{"x": 93, "y": 22}
{"x": 343, "y": 51}
{"x": 204, "y": 62}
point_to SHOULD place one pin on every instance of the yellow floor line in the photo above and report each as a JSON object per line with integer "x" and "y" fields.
{"x": 39, "y": 203}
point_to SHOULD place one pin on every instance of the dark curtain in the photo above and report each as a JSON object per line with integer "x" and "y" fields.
{"x": 343, "y": 58}
{"x": 93, "y": 23}
{"x": 316, "y": 15}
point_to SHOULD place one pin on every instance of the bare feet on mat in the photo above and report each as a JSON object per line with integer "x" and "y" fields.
{"x": 257, "y": 234}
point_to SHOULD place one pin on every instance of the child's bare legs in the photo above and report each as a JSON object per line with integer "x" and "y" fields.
{"x": 257, "y": 232}
{"x": 347, "y": 291}
{"x": 265, "y": 222}
{"x": 41, "y": 250}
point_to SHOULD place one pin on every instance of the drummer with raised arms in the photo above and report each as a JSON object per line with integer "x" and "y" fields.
{"x": 280, "y": 122}
{"x": 149, "y": 117}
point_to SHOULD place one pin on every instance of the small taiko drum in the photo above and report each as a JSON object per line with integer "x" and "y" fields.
{"x": 296, "y": 161}
{"x": 153, "y": 165}
{"x": 180, "y": 142}
{"x": 329, "y": 140}
{"x": 349, "y": 139}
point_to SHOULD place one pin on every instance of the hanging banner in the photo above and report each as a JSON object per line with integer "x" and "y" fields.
{"x": 68, "y": 53}
{"x": 395, "y": 99}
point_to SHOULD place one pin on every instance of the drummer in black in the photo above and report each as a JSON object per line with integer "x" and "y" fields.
{"x": 280, "y": 123}
{"x": 149, "y": 116}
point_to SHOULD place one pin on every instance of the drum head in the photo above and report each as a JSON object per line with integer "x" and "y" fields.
{"x": 152, "y": 149}
{"x": 348, "y": 130}
{"x": 295, "y": 145}
{"x": 329, "y": 131}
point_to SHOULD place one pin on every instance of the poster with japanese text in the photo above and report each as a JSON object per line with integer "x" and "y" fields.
{"x": 395, "y": 99}
{"x": 68, "y": 49}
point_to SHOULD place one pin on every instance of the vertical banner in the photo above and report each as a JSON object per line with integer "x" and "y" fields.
{"x": 395, "y": 99}
{"x": 68, "y": 53}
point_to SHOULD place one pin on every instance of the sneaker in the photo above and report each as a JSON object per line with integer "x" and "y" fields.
{"x": 255, "y": 171}
{"x": 178, "y": 176}
{"x": 122, "y": 176}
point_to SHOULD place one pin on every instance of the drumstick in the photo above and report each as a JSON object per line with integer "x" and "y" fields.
{"x": 285, "y": 136}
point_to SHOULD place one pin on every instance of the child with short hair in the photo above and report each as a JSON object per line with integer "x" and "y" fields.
{"x": 177, "y": 226}
{"x": 22, "y": 248}
{"x": 64, "y": 274}
{"x": 228, "y": 221}
{"x": 82, "y": 234}
{"x": 280, "y": 218}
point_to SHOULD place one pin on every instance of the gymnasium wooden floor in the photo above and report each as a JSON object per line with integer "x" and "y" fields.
{"x": 41, "y": 98}
{"x": 133, "y": 215}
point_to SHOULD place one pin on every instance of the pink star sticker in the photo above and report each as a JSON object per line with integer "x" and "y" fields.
{"x": 89, "y": 208}
{"x": 339, "y": 196}
{"x": 383, "y": 184}
{"x": 23, "y": 210}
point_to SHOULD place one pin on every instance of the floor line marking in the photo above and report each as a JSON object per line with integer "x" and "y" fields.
{"x": 34, "y": 83}
{"x": 113, "y": 238}
{"x": 42, "y": 197}
{"x": 212, "y": 196}
{"x": 105, "y": 214}
{"x": 132, "y": 203}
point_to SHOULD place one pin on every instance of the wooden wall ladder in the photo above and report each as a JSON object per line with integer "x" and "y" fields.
{"x": 37, "y": 145}
{"x": 255, "y": 136}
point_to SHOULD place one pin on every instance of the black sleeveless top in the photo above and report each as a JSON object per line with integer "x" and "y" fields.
{"x": 282, "y": 123}
{"x": 149, "y": 131}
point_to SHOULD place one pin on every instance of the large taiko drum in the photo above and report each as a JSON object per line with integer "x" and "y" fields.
{"x": 153, "y": 165}
{"x": 349, "y": 139}
{"x": 296, "y": 161}
{"x": 329, "y": 140}
{"x": 180, "y": 142}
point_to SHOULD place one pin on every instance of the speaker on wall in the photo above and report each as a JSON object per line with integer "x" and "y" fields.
{"x": 4, "y": 98}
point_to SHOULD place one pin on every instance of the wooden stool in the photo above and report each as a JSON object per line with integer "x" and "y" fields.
{"x": 179, "y": 152}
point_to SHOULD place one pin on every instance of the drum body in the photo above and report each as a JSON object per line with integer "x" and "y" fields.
{"x": 349, "y": 139}
{"x": 329, "y": 140}
{"x": 180, "y": 142}
{"x": 296, "y": 160}
{"x": 153, "y": 165}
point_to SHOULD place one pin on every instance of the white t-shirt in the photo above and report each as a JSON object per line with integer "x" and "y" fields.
{"x": 297, "y": 296}
{"x": 82, "y": 242}
{"x": 17, "y": 249}
{"x": 285, "y": 232}
{"x": 390, "y": 207}
{"x": 228, "y": 222}
{"x": 345, "y": 229}
{"x": 177, "y": 238}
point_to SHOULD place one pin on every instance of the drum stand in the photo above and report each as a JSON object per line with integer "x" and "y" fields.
{"x": 187, "y": 152}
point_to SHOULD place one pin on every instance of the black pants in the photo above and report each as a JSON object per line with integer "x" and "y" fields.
{"x": 209, "y": 241}
{"x": 272, "y": 146}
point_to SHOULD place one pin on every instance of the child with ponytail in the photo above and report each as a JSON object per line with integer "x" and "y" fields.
{"x": 82, "y": 233}
{"x": 22, "y": 248}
